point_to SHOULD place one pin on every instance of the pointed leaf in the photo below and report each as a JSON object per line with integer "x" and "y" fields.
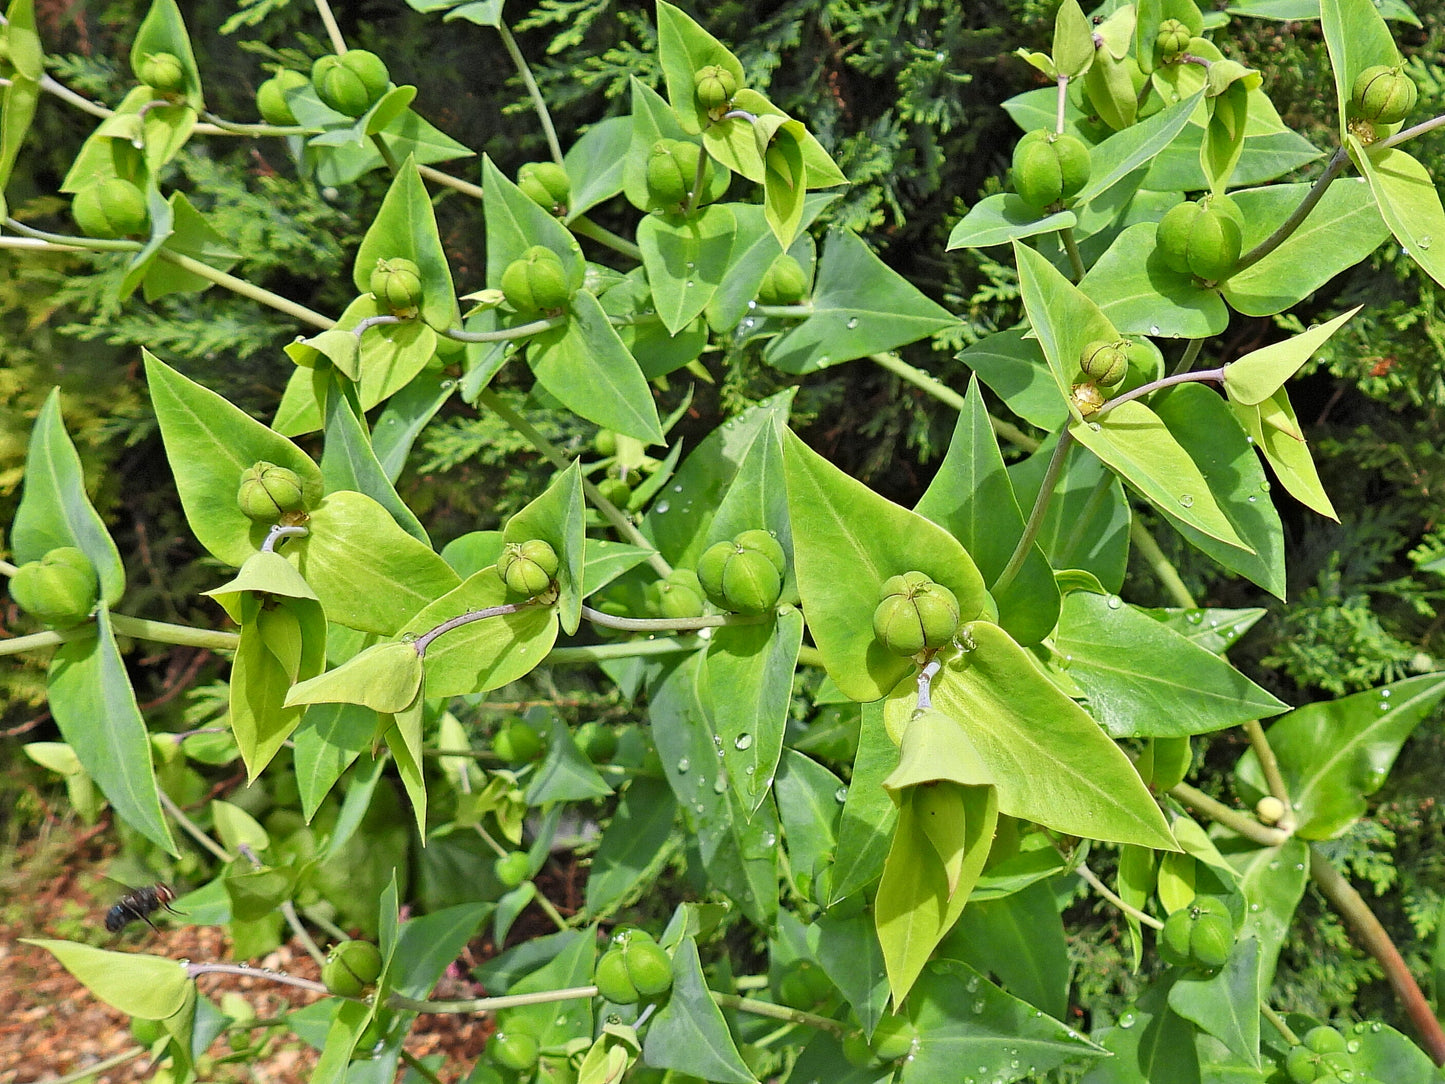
{"x": 515, "y": 223}
{"x": 689, "y": 1033}
{"x": 348, "y": 462}
{"x": 1003, "y": 217}
{"x": 1256, "y": 376}
{"x": 1273, "y": 879}
{"x": 1276, "y": 432}
{"x": 1020, "y": 939}
{"x": 683, "y": 47}
{"x": 685, "y": 259}
{"x": 1141, "y": 296}
{"x": 632, "y": 844}
{"x": 150, "y": 987}
{"x": 566, "y": 775}
{"x": 1408, "y": 201}
{"x": 1225, "y": 1004}
{"x": 385, "y": 677}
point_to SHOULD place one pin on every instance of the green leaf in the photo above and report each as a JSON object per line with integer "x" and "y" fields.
{"x": 1145, "y": 680}
{"x": 1141, "y": 296}
{"x": 808, "y": 806}
{"x": 209, "y": 443}
{"x": 354, "y": 540}
{"x": 748, "y": 685}
{"x": 915, "y": 906}
{"x": 850, "y": 955}
{"x": 1408, "y": 201}
{"x": 1124, "y": 152}
{"x": 586, "y": 366}
{"x": 1003, "y": 217}
{"x": 54, "y": 510}
{"x": 847, "y": 541}
{"x": 685, "y": 260}
{"x": 967, "y": 1024}
{"x": 1335, "y": 754}
{"x": 595, "y": 163}
{"x": 386, "y": 677}
{"x": 860, "y": 307}
{"x": 1087, "y": 522}
{"x": 972, "y": 498}
{"x": 1273, "y": 879}
{"x": 571, "y": 965}
{"x": 1253, "y": 378}
{"x": 426, "y": 945}
{"x": 566, "y": 775}
{"x": 327, "y": 740}
{"x": 786, "y": 181}
{"x": 1019, "y": 939}
{"x": 1276, "y": 432}
{"x": 558, "y": 517}
{"x": 163, "y": 30}
{"x": 1225, "y": 1004}
{"x": 1153, "y": 1047}
{"x": 1012, "y": 365}
{"x": 278, "y": 647}
{"x": 689, "y": 1033}
{"x": 1063, "y": 318}
{"x": 405, "y": 227}
{"x": 1341, "y": 231}
{"x": 1049, "y": 760}
{"x": 94, "y": 706}
{"x": 236, "y": 827}
{"x": 1073, "y": 50}
{"x": 406, "y": 415}
{"x": 22, "y": 93}
{"x": 191, "y": 235}
{"x": 1135, "y": 444}
{"x": 515, "y": 223}
{"x": 869, "y": 815}
{"x": 484, "y": 654}
{"x": 632, "y": 844}
{"x": 1208, "y": 431}
{"x": 1228, "y": 115}
{"x": 682, "y": 48}
{"x": 403, "y": 738}
{"x": 348, "y": 462}
{"x": 1356, "y": 37}
{"x": 150, "y": 987}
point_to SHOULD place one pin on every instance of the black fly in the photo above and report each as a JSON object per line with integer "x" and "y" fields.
{"x": 139, "y": 904}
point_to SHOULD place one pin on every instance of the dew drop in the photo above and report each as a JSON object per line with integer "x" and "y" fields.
{"x": 743, "y": 741}
{"x": 978, "y": 1007}
{"x": 852, "y": 323}
{"x": 691, "y": 266}
{"x": 1264, "y": 486}
{"x": 699, "y": 807}
{"x": 749, "y": 770}
{"x": 1353, "y": 1046}
{"x": 1186, "y": 500}
{"x": 677, "y": 489}
{"x": 689, "y": 284}
{"x": 769, "y": 839}
{"x": 1114, "y": 602}
{"x": 1153, "y": 329}
{"x": 1385, "y": 694}
{"x": 972, "y": 984}
{"x": 1194, "y": 617}
{"x": 1127, "y": 1020}
{"x": 720, "y": 785}
{"x": 1251, "y": 498}
{"x": 662, "y": 507}
{"x": 841, "y": 794}
{"x": 448, "y": 385}
{"x": 1375, "y": 1026}
{"x": 683, "y": 765}
{"x": 1426, "y": 241}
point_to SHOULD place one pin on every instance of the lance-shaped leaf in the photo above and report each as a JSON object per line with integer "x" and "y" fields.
{"x": 209, "y": 443}
{"x": 1408, "y": 202}
{"x": 1020, "y": 939}
{"x": 683, "y": 48}
{"x": 866, "y": 825}
{"x": 265, "y": 572}
{"x": 1225, "y": 1004}
{"x": 94, "y": 706}
{"x": 22, "y": 92}
{"x": 191, "y": 235}
{"x": 281, "y": 643}
{"x": 1063, "y": 318}
{"x": 685, "y": 260}
{"x": 515, "y": 223}
{"x": 1227, "y": 88}
{"x": 403, "y": 738}
{"x": 847, "y": 541}
{"x": 915, "y": 906}
{"x": 385, "y": 677}
{"x": 1134, "y": 289}
{"x": 1004, "y": 217}
{"x": 1047, "y": 758}
{"x": 633, "y": 844}
{"x": 1145, "y": 680}
{"x": 860, "y": 307}
{"x": 150, "y": 987}
{"x": 1256, "y": 376}
{"x": 689, "y": 1033}
{"x": 1273, "y": 879}
{"x": 566, "y": 775}
{"x": 54, "y": 510}
{"x": 1126, "y": 151}
{"x": 405, "y": 227}
{"x": 1137, "y": 446}
{"x": 558, "y": 518}
{"x": 1276, "y": 432}
{"x": 1337, "y": 753}
{"x": 348, "y": 462}
{"x": 1073, "y": 50}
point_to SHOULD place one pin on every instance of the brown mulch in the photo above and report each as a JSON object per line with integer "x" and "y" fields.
{"x": 51, "y": 1026}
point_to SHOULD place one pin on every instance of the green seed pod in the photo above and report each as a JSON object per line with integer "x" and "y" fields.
{"x": 1382, "y": 94}
{"x": 615, "y": 490}
{"x": 1173, "y": 939}
{"x": 914, "y": 613}
{"x": 1048, "y": 168}
{"x": 648, "y": 967}
{"x": 350, "y": 83}
{"x": 517, "y": 743}
{"x": 60, "y": 589}
{"x": 1086, "y": 397}
{"x": 1202, "y": 239}
{"x": 1104, "y": 361}
{"x": 527, "y": 567}
{"x": 672, "y": 167}
{"x": 1302, "y": 1065}
{"x": 512, "y": 868}
{"x": 396, "y": 285}
{"x": 1325, "y": 1040}
{"x": 612, "y": 979}
{"x": 109, "y": 209}
{"x": 786, "y": 283}
{"x": 515, "y": 1050}
{"x": 857, "y": 1050}
{"x": 268, "y": 490}
{"x": 146, "y": 1032}
{"x": 1171, "y": 40}
{"x": 740, "y": 577}
{"x": 164, "y": 73}
{"x": 597, "y": 741}
{"x": 1210, "y": 939}
{"x": 895, "y": 1037}
{"x": 536, "y": 281}
{"x": 804, "y": 986}
{"x": 605, "y": 442}
{"x": 350, "y": 967}
{"x": 681, "y": 595}
{"x": 271, "y": 97}
{"x": 547, "y": 185}
{"x": 715, "y": 87}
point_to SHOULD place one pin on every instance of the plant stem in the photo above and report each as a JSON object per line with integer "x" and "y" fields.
{"x": 421, "y": 642}
{"x": 538, "y": 102}
{"x": 414, "y": 1063}
{"x": 506, "y": 334}
{"x": 810, "y": 656}
{"x": 1232, "y": 819}
{"x": 1356, "y": 912}
{"x": 1076, "y": 258}
{"x": 575, "y": 656}
{"x": 92, "y": 1072}
{"x": 585, "y": 227}
{"x": 1201, "y": 375}
{"x": 1102, "y": 889}
{"x": 492, "y": 1004}
{"x": 1269, "y": 765}
{"x": 142, "y": 629}
{"x": 1333, "y": 169}
{"x": 801, "y": 310}
{"x": 668, "y": 624}
{"x": 71, "y": 243}
{"x": 946, "y": 395}
{"x": 1186, "y": 359}
{"x": 247, "y": 289}
{"x": 1161, "y": 566}
{"x": 1407, "y": 134}
{"x": 288, "y": 912}
{"x": 392, "y": 165}
{"x": 192, "y": 970}
{"x": 446, "y": 180}
{"x": 739, "y": 1003}
{"x": 328, "y": 20}
{"x": 550, "y": 911}
{"x": 554, "y": 455}
{"x": 1036, "y": 516}
{"x": 192, "y": 829}
{"x": 1279, "y": 1025}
